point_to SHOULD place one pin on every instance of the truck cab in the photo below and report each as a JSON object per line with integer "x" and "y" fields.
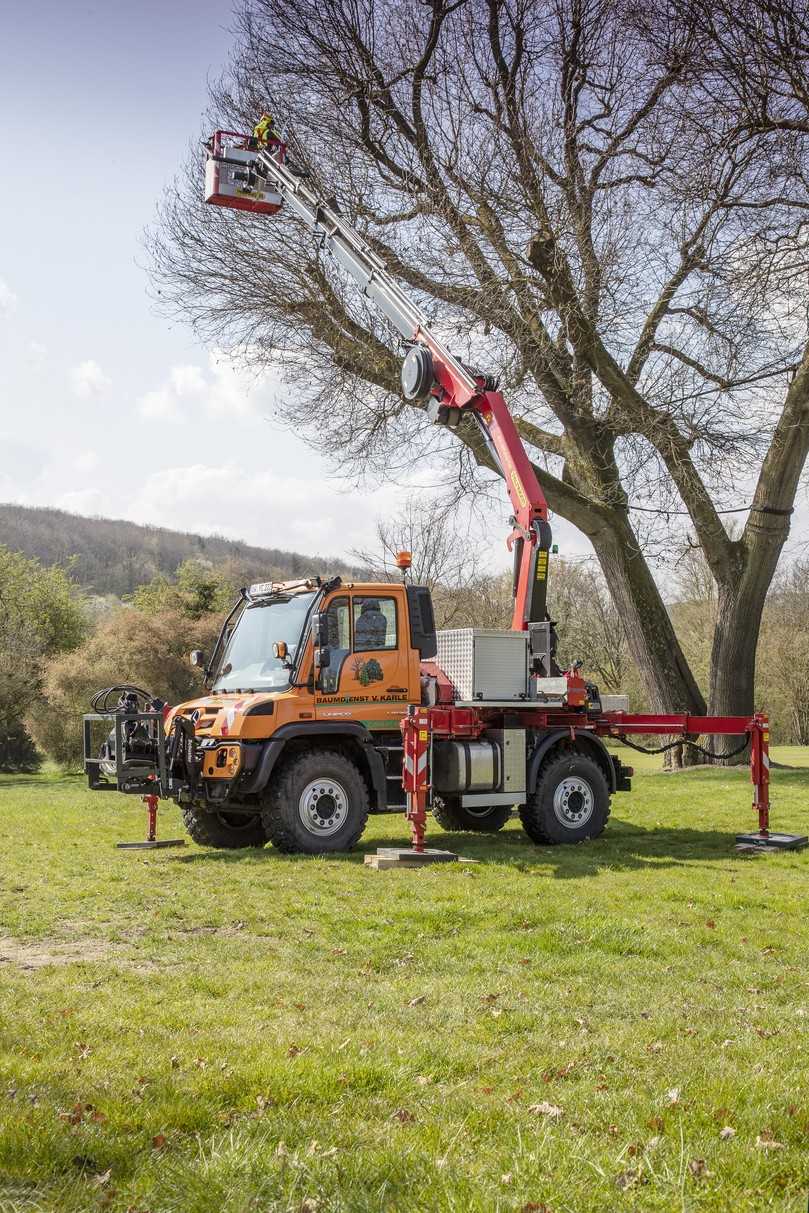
{"x": 298, "y": 737}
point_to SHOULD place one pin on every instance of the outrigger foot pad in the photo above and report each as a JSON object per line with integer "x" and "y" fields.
{"x": 772, "y": 841}
{"x": 406, "y": 857}
{"x": 150, "y": 846}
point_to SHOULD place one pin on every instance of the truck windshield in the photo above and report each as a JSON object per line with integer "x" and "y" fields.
{"x": 247, "y": 661}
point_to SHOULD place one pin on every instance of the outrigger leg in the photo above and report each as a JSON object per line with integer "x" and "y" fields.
{"x": 151, "y": 801}
{"x": 415, "y": 753}
{"x": 760, "y": 776}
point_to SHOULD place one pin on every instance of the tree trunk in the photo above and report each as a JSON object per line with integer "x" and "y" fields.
{"x": 733, "y": 654}
{"x": 649, "y": 631}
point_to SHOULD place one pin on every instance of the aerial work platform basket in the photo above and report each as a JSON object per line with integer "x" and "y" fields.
{"x": 228, "y": 181}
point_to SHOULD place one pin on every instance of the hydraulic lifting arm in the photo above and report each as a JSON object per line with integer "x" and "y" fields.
{"x": 433, "y": 374}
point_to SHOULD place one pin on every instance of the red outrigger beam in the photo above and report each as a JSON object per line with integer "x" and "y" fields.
{"x": 422, "y": 724}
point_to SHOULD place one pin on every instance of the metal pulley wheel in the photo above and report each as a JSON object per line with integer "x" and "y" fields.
{"x": 417, "y": 373}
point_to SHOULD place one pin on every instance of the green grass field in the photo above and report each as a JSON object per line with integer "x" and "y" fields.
{"x": 616, "y": 1026}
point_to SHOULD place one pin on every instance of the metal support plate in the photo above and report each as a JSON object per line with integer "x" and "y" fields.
{"x": 773, "y": 841}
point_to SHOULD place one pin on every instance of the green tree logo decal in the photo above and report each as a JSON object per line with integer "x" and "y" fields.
{"x": 367, "y": 672}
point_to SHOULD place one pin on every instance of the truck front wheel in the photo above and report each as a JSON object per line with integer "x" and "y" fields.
{"x": 316, "y": 802}
{"x": 451, "y": 815}
{"x": 228, "y": 830}
{"x": 571, "y": 801}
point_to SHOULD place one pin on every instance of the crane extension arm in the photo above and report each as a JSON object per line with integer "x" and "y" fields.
{"x": 432, "y": 373}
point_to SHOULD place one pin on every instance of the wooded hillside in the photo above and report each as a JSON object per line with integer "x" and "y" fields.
{"x": 112, "y": 556}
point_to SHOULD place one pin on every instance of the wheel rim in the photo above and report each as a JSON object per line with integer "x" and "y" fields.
{"x": 323, "y": 807}
{"x": 573, "y": 802}
{"x": 480, "y": 812}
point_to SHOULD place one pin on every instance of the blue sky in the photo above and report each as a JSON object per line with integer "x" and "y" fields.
{"x": 105, "y": 407}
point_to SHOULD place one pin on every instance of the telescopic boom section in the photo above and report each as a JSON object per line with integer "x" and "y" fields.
{"x": 431, "y": 373}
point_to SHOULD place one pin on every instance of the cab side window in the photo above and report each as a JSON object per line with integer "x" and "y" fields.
{"x": 339, "y": 626}
{"x": 374, "y": 624}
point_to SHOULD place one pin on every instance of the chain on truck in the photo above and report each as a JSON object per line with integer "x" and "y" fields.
{"x": 329, "y": 699}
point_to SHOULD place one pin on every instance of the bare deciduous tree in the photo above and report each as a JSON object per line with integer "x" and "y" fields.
{"x": 599, "y": 203}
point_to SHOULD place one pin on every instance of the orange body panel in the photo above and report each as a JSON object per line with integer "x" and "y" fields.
{"x": 368, "y": 685}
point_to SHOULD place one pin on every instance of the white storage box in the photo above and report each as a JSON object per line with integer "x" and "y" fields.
{"x": 482, "y": 663}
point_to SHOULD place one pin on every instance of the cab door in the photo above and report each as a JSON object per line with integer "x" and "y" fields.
{"x": 367, "y": 678}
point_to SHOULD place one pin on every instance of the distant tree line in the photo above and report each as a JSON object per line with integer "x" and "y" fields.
{"x": 112, "y": 556}
{"x": 57, "y": 647}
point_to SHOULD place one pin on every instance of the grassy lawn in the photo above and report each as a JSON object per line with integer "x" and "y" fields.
{"x": 570, "y": 1028}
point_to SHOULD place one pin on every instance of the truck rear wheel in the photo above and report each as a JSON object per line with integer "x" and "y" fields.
{"x": 229, "y": 830}
{"x": 571, "y": 801}
{"x": 316, "y": 802}
{"x": 451, "y": 815}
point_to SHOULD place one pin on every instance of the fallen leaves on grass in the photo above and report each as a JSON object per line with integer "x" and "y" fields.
{"x": 698, "y": 1168}
{"x": 562, "y": 1072}
{"x": 403, "y": 1116}
{"x": 766, "y": 1141}
{"x": 159, "y": 1141}
{"x": 533, "y": 1206}
{"x": 418, "y": 1000}
{"x": 100, "y": 1180}
{"x": 673, "y": 1096}
{"x": 551, "y": 1110}
{"x": 629, "y": 1178}
{"x": 294, "y": 1051}
{"x": 727, "y": 1133}
{"x": 657, "y": 1123}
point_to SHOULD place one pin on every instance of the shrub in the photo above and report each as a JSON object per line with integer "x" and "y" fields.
{"x": 128, "y": 646}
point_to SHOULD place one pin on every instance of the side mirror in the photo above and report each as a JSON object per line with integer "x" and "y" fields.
{"x": 279, "y": 650}
{"x": 197, "y": 659}
{"x": 322, "y": 657}
{"x": 320, "y": 630}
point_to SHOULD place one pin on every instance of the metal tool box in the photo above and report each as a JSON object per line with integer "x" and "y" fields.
{"x": 484, "y": 664}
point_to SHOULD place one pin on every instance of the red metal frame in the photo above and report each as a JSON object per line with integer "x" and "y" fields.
{"x": 422, "y": 724}
{"x": 220, "y": 153}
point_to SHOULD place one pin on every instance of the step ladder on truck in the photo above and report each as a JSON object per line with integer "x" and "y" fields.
{"x": 466, "y": 724}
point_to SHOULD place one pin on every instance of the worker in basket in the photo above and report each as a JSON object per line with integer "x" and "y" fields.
{"x": 264, "y": 131}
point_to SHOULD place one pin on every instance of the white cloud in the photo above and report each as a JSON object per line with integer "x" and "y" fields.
{"x": 90, "y": 502}
{"x": 88, "y": 380}
{"x": 161, "y": 405}
{"x": 35, "y": 351}
{"x": 226, "y": 390}
{"x": 8, "y": 300}
{"x": 187, "y": 381}
{"x": 264, "y": 508}
{"x": 87, "y": 461}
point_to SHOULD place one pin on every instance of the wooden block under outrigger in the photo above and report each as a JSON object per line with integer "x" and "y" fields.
{"x": 407, "y": 857}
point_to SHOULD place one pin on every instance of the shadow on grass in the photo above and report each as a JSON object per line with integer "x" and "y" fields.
{"x": 625, "y": 847}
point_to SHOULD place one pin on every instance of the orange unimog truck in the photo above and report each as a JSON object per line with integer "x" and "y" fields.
{"x": 328, "y": 700}
{"x": 299, "y": 736}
